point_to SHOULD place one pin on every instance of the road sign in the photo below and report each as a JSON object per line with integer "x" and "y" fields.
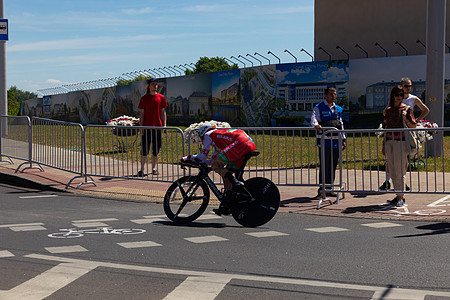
{"x": 3, "y": 29}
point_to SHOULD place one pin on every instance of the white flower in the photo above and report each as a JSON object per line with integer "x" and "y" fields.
{"x": 192, "y": 133}
{"x": 123, "y": 121}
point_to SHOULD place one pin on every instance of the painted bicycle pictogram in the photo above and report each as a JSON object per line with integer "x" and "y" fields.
{"x": 77, "y": 232}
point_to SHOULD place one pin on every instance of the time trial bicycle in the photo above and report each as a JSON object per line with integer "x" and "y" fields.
{"x": 255, "y": 204}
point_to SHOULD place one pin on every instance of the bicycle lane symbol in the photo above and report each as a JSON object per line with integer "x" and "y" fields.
{"x": 76, "y": 232}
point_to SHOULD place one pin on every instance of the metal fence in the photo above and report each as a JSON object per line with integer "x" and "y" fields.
{"x": 288, "y": 155}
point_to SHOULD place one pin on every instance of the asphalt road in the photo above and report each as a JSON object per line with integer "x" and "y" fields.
{"x": 60, "y": 246}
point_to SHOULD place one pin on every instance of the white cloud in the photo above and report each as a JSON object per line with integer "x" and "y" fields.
{"x": 55, "y": 81}
{"x": 141, "y": 11}
{"x": 301, "y": 70}
{"x": 335, "y": 74}
{"x": 207, "y": 8}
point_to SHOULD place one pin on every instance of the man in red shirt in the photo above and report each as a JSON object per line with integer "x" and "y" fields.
{"x": 153, "y": 113}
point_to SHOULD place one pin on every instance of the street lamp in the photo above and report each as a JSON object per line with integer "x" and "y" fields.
{"x": 187, "y": 67}
{"x": 303, "y": 50}
{"x": 238, "y": 60}
{"x": 397, "y": 43}
{"x": 419, "y": 42}
{"x": 279, "y": 60}
{"x": 329, "y": 56}
{"x": 246, "y": 59}
{"x": 286, "y": 50}
{"x": 178, "y": 68}
{"x": 232, "y": 62}
{"x": 358, "y": 46}
{"x": 256, "y": 53}
{"x": 260, "y": 62}
{"x": 377, "y": 44}
{"x": 164, "y": 72}
{"x": 157, "y": 72}
{"x": 169, "y": 70}
{"x": 338, "y": 47}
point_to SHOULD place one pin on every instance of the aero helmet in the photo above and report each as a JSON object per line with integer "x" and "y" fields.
{"x": 204, "y": 128}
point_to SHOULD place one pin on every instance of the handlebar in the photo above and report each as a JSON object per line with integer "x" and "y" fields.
{"x": 193, "y": 164}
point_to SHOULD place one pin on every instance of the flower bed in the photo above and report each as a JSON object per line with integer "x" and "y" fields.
{"x": 426, "y": 134}
{"x": 123, "y": 121}
{"x": 192, "y": 133}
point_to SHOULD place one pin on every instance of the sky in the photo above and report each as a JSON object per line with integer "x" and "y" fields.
{"x": 58, "y": 42}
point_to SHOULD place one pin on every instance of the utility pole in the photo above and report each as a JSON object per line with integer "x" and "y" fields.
{"x": 436, "y": 15}
{"x": 3, "y": 89}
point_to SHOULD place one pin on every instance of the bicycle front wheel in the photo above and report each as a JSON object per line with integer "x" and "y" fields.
{"x": 186, "y": 199}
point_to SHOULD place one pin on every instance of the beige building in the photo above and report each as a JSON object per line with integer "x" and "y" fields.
{"x": 346, "y": 23}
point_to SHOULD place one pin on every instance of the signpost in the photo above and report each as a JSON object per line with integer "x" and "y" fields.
{"x": 3, "y": 89}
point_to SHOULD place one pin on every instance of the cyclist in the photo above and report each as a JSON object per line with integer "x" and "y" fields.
{"x": 231, "y": 145}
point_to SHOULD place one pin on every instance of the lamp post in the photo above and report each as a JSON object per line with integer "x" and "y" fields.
{"x": 188, "y": 66}
{"x": 169, "y": 70}
{"x": 279, "y": 60}
{"x": 377, "y": 44}
{"x": 303, "y": 50}
{"x": 238, "y": 60}
{"x": 329, "y": 56}
{"x": 260, "y": 62}
{"x": 397, "y": 43}
{"x": 286, "y": 50}
{"x": 232, "y": 62}
{"x": 348, "y": 56}
{"x": 127, "y": 75}
{"x": 358, "y": 46}
{"x": 256, "y": 53}
{"x": 419, "y": 42}
{"x": 180, "y": 69}
{"x": 158, "y": 73}
{"x": 164, "y": 72}
{"x": 3, "y": 83}
{"x": 246, "y": 59}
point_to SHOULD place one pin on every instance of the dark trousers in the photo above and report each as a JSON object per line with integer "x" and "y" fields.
{"x": 329, "y": 164}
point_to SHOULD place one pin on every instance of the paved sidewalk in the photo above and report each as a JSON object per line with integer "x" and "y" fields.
{"x": 294, "y": 199}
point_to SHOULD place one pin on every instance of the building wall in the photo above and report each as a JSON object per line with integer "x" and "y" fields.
{"x": 346, "y": 23}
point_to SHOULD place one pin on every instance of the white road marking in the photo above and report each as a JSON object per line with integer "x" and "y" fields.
{"x": 440, "y": 201}
{"x": 5, "y": 253}
{"x": 28, "y": 228}
{"x": 37, "y": 196}
{"x": 381, "y": 225}
{"x": 48, "y": 282}
{"x": 266, "y": 234}
{"x": 146, "y": 221}
{"x": 95, "y": 220}
{"x": 206, "y": 239}
{"x": 24, "y": 224}
{"x": 155, "y": 216}
{"x": 199, "y": 288}
{"x": 209, "y": 217}
{"x": 143, "y": 244}
{"x": 89, "y": 224}
{"x": 66, "y": 249}
{"x": 326, "y": 229}
{"x": 218, "y": 278}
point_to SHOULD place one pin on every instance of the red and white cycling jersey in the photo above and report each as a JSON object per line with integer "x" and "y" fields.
{"x": 230, "y": 146}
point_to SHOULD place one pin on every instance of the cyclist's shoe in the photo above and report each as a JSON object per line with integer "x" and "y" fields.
{"x": 222, "y": 210}
{"x": 385, "y": 186}
{"x": 238, "y": 187}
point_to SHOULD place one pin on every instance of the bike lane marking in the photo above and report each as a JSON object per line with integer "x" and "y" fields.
{"x": 141, "y": 244}
{"x": 441, "y": 202}
{"x": 37, "y": 196}
{"x": 66, "y": 249}
{"x": 206, "y": 239}
{"x": 202, "y": 288}
{"x": 25, "y": 227}
{"x": 218, "y": 280}
{"x": 5, "y": 253}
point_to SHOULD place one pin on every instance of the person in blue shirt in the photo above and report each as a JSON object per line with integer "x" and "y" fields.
{"x": 328, "y": 114}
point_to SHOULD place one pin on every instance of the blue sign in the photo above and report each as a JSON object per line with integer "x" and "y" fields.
{"x": 3, "y": 29}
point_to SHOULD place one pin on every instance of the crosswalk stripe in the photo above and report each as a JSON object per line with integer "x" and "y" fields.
{"x": 266, "y": 234}
{"x": 5, "y": 253}
{"x": 326, "y": 229}
{"x": 142, "y": 244}
{"x": 28, "y": 228}
{"x": 381, "y": 225}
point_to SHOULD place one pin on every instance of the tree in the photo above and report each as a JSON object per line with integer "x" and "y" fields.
{"x": 15, "y": 98}
{"x": 214, "y": 64}
{"x": 137, "y": 78}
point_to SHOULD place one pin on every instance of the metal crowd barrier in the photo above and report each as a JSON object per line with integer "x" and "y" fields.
{"x": 362, "y": 165}
{"x": 289, "y": 155}
{"x": 15, "y": 139}
{"x": 116, "y": 152}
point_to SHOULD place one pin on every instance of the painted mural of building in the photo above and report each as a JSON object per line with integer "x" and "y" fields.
{"x": 230, "y": 94}
{"x": 377, "y": 94}
{"x": 304, "y": 96}
{"x": 198, "y": 104}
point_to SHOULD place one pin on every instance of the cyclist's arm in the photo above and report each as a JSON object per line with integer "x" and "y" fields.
{"x": 203, "y": 156}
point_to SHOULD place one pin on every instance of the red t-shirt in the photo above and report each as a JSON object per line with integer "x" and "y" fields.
{"x": 152, "y": 105}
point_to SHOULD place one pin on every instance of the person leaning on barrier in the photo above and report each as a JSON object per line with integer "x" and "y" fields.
{"x": 413, "y": 101}
{"x": 328, "y": 114}
{"x": 395, "y": 148}
{"x": 231, "y": 146}
{"x": 152, "y": 113}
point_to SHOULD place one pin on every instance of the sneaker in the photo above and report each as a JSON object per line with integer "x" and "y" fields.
{"x": 407, "y": 188}
{"x": 396, "y": 202}
{"x": 331, "y": 194}
{"x": 155, "y": 172}
{"x": 385, "y": 186}
{"x": 140, "y": 174}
